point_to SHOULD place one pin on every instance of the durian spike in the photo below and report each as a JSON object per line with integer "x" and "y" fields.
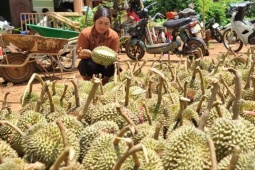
{"x": 76, "y": 93}
{"x": 216, "y": 105}
{"x": 120, "y": 111}
{"x": 13, "y": 126}
{"x": 91, "y": 95}
{"x": 66, "y": 154}
{"x": 253, "y": 84}
{"x": 127, "y": 91}
{"x": 205, "y": 115}
{"x": 238, "y": 92}
{"x": 5, "y": 100}
{"x": 29, "y": 85}
{"x": 232, "y": 95}
{"x": 234, "y": 159}
{"x": 65, "y": 143}
{"x": 133, "y": 150}
{"x": 147, "y": 113}
{"x": 140, "y": 68}
{"x": 212, "y": 153}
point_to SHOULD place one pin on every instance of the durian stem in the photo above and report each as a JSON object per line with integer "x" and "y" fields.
{"x": 65, "y": 143}
{"x": 127, "y": 91}
{"x": 212, "y": 153}
{"x": 140, "y": 68}
{"x": 115, "y": 76}
{"x": 238, "y": 93}
{"x": 200, "y": 103}
{"x": 52, "y": 107}
{"x": 36, "y": 165}
{"x": 253, "y": 84}
{"x": 158, "y": 128}
{"x": 13, "y": 126}
{"x": 205, "y": 115}
{"x": 120, "y": 111}
{"x": 117, "y": 139}
{"x": 34, "y": 76}
{"x": 76, "y": 93}
{"x": 171, "y": 71}
{"x": 234, "y": 159}
{"x": 150, "y": 89}
{"x": 101, "y": 84}
{"x": 147, "y": 113}
{"x": 217, "y": 106}
{"x": 63, "y": 156}
{"x": 91, "y": 95}
{"x": 53, "y": 87}
{"x": 201, "y": 80}
{"x": 64, "y": 93}
{"x": 160, "y": 91}
{"x": 222, "y": 97}
{"x": 1, "y": 159}
{"x": 185, "y": 93}
{"x": 169, "y": 92}
{"x": 133, "y": 150}
{"x": 179, "y": 83}
{"x": 230, "y": 102}
{"x": 5, "y": 99}
{"x": 248, "y": 80}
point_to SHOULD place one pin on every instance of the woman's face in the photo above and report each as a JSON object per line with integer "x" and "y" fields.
{"x": 102, "y": 24}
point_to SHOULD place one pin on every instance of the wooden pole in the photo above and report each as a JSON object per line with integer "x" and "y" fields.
{"x": 78, "y": 5}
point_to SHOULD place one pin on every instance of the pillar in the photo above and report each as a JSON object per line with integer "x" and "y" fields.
{"x": 78, "y": 5}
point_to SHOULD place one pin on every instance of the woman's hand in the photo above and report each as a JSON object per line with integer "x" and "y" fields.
{"x": 83, "y": 53}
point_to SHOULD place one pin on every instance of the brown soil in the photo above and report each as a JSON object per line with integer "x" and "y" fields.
{"x": 16, "y": 90}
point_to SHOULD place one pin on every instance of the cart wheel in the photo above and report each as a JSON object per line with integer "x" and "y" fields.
{"x": 16, "y": 74}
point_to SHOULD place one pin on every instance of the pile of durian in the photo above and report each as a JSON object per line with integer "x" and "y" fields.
{"x": 196, "y": 115}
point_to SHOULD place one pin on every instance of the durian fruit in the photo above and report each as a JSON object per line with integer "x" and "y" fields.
{"x": 44, "y": 142}
{"x": 247, "y": 106}
{"x": 245, "y": 161}
{"x": 89, "y": 133}
{"x": 146, "y": 159}
{"x": 186, "y": 148}
{"x": 20, "y": 164}
{"x": 227, "y": 133}
{"x": 104, "y": 151}
{"x": 103, "y": 55}
{"x": 28, "y": 118}
{"x": 6, "y": 151}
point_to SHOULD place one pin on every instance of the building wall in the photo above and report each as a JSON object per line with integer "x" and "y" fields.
{"x": 38, "y": 5}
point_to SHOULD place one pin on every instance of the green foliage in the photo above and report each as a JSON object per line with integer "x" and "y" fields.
{"x": 217, "y": 10}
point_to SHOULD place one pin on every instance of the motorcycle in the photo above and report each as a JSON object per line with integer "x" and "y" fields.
{"x": 215, "y": 30}
{"x": 241, "y": 31}
{"x": 141, "y": 41}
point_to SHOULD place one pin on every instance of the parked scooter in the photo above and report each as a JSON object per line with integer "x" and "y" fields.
{"x": 140, "y": 41}
{"x": 215, "y": 30}
{"x": 242, "y": 31}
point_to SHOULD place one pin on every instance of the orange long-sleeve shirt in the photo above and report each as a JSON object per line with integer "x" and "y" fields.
{"x": 89, "y": 39}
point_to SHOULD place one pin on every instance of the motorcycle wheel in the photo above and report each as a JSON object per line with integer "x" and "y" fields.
{"x": 235, "y": 41}
{"x": 218, "y": 35}
{"x": 194, "y": 44}
{"x": 134, "y": 52}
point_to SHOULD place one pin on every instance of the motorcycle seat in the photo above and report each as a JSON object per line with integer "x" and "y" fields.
{"x": 176, "y": 23}
{"x": 187, "y": 12}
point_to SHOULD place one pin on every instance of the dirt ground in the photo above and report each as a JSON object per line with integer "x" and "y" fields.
{"x": 16, "y": 90}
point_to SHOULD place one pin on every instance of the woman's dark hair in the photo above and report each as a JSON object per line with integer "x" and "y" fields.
{"x": 103, "y": 12}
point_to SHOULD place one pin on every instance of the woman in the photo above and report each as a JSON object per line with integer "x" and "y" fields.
{"x": 100, "y": 34}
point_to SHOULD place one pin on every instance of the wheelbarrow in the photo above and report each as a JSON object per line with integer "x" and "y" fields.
{"x": 18, "y": 67}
